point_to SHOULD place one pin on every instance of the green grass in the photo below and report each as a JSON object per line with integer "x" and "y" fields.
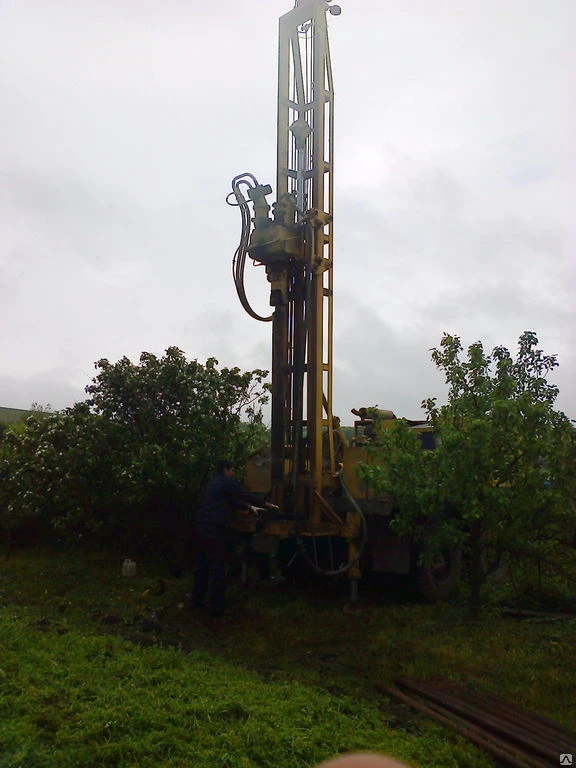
{"x": 288, "y": 683}
{"x": 70, "y": 700}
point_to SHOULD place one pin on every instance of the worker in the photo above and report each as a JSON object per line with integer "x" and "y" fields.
{"x": 223, "y": 494}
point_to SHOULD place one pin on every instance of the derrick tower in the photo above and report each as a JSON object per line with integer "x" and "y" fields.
{"x": 293, "y": 240}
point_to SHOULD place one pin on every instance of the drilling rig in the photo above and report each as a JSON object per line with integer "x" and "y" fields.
{"x": 309, "y": 470}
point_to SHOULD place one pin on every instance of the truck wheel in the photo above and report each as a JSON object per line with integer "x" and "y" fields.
{"x": 438, "y": 579}
{"x": 494, "y": 566}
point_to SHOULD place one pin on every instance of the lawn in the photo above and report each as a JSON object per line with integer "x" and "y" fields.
{"x": 101, "y": 670}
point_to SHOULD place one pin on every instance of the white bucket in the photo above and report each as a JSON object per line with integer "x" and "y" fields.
{"x": 128, "y": 567}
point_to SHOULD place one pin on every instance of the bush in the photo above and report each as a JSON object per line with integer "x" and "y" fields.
{"x": 128, "y": 465}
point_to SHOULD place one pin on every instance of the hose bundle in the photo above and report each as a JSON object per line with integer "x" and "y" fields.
{"x": 239, "y": 260}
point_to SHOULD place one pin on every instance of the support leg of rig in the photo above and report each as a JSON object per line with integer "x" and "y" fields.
{"x": 354, "y": 592}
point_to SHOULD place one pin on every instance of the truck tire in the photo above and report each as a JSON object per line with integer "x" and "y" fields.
{"x": 494, "y": 567}
{"x": 438, "y": 580}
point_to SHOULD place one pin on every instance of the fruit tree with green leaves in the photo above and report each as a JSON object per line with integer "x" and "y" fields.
{"x": 500, "y": 483}
{"x": 128, "y": 464}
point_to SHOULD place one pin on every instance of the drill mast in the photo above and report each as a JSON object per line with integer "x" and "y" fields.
{"x": 296, "y": 248}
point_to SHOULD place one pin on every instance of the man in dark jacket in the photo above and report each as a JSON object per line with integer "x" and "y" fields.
{"x": 223, "y": 495}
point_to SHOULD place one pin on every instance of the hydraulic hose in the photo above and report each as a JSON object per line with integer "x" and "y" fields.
{"x": 239, "y": 260}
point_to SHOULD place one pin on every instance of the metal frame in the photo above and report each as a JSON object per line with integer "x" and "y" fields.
{"x": 295, "y": 245}
{"x": 305, "y": 131}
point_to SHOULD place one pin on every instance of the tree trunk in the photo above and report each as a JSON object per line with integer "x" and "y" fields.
{"x": 476, "y": 570}
{"x": 8, "y": 532}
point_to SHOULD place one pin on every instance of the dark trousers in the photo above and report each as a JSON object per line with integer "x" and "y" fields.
{"x": 210, "y": 576}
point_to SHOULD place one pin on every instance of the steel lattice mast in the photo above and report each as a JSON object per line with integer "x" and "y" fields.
{"x": 304, "y": 168}
{"x": 296, "y": 247}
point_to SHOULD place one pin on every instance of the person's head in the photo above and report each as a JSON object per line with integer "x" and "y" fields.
{"x": 225, "y": 468}
{"x": 362, "y": 760}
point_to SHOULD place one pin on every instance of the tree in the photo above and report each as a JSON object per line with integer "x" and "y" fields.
{"x": 500, "y": 482}
{"x": 129, "y": 464}
{"x": 18, "y": 475}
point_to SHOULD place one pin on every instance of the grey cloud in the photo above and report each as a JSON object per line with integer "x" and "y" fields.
{"x": 377, "y": 364}
{"x": 124, "y": 122}
{"x": 37, "y": 191}
{"x": 49, "y": 387}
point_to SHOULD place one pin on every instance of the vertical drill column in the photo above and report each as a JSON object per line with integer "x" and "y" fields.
{"x": 280, "y": 387}
{"x": 304, "y": 157}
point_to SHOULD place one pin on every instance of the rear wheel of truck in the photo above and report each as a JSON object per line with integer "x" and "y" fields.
{"x": 438, "y": 579}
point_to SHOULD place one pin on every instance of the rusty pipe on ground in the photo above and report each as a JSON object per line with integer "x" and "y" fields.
{"x": 501, "y": 749}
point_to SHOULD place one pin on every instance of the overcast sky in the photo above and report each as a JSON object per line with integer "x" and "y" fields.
{"x": 123, "y": 121}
